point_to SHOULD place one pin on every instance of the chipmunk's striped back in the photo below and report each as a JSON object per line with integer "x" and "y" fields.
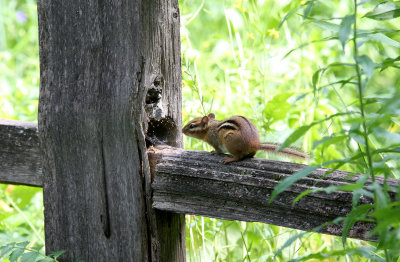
{"x": 236, "y": 135}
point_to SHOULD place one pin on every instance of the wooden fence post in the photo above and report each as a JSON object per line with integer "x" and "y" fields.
{"x": 110, "y": 72}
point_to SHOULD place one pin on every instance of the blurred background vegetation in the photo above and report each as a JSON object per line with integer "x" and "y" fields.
{"x": 281, "y": 64}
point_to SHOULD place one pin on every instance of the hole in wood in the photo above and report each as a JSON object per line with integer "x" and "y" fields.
{"x": 161, "y": 131}
{"x": 154, "y": 92}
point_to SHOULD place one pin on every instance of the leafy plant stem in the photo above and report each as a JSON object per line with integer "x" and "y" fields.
{"x": 387, "y": 255}
{"x": 38, "y": 235}
{"x": 360, "y": 95}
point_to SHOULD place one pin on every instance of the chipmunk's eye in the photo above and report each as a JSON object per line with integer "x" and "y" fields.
{"x": 192, "y": 126}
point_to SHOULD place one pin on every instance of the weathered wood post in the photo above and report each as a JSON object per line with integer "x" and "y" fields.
{"x": 110, "y": 72}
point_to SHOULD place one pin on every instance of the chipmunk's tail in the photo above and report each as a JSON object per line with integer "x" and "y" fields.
{"x": 288, "y": 151}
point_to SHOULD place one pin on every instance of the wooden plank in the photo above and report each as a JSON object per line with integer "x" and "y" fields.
{"x": 108, "y": 68}
{"x": 193, "y": 182}
{"x": 20, "y": 161}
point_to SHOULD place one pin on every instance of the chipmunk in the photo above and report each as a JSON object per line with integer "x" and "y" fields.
{"x": 236, "y": 135}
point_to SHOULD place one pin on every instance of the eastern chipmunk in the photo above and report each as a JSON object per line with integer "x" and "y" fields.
{"x": 236, "y": 135}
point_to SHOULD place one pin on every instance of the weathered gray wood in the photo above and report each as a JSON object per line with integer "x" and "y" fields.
{"x": 162, "y": 80}
{"x": 193, "y": 182}
{"x": 102, "y": 64}
{"x": 19, "y": 153}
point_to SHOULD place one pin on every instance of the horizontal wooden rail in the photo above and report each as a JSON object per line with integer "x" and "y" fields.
{"x": 20, "y": 161}
{"x": 195, "y": 182}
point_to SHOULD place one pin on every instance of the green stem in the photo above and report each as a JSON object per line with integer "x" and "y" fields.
{"x": 360, "y": 96}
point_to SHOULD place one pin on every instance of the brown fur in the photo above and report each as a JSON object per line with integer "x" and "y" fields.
{"x": 236, "y": 135}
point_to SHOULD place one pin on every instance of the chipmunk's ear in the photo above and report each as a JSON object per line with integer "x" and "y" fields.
{"x": 205, "y": 120}
{"x": 211, "y": 116}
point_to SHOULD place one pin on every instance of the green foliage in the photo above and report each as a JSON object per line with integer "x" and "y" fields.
{"x": 327, "y": 80}
{"x": 319, "y": 74}
{"x": 19, "y": 63}
{"x": 21, "y": 208}
{"x": 21, "y": 252}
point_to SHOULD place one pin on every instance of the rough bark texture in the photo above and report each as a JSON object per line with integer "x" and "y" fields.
{"x": 99, "y": 61}
{"x": 193, "y": 182}
{"x": 19, "y": 153}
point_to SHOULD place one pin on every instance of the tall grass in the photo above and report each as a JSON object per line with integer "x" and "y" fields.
{"x": 289, "y": 65}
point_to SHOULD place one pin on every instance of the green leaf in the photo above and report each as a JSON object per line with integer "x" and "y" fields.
{"x": 22, "y": 195}
{"x": 329, "y": 140}
{"x": 345, "y": 29}
{"x": 365, "y": 252}
{"x": 315, "y": 79}
{"x": 22, "y": 244}
{"x": 390, "y": 62}
{"x": 29, "y": 257}
{"x": 46, "y": 259}
{"x": 277, "y": 108}
{"x": 56, "y": 254}
{"x": 16, "y": 254}
{"x": 381, "y": 38}
{"x": 286, "y": 17}
{"x": 303, "y": 194}
{"x": 352, "y": 217}
{"x": 381, "y": 199}
{"x": 328, "y": 26}
{"x": 38, "y": 248}
{"x": 5, "y": 250}
{"x": 384, "y": 11}
{"x": 287, "y": 182}
{"x": 366, "y": 64}
{"x": 303, "y": 129}
{"x": 289, "y": 242}
{"x": 294, "y": 136}
{"x": 396, "y": 121}
{"x": 308, "y": 9}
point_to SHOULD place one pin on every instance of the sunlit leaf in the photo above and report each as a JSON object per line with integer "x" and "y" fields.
{"x": 5, "y": 250}
{"x": 396, "y": 120}
{"x": 366, "y": 252}
{"x": 366, "y": 64}
{"x": 289, "y": 242}
{"x": 383, "y": 39}
{"x": 345, "y": 29}
{"x": 315, "y": 79}
{"x": 22, "y": 244}
{"x": 328, "y": 26}
{"x": 277, "y": 108}
{"x": 46, "y": 259}
{"x": 29, "y": 257}
{"x": 384, "y": 11}
{"x": 294, "y": 136}
{"x": 390, "y": 62}
{"x": 308, "y": 9}
{"x": 329, "y": 140}
{"x": 286, "y": 17}
{"x": 303, "y": 129}
{"x": 14, "y": 256}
